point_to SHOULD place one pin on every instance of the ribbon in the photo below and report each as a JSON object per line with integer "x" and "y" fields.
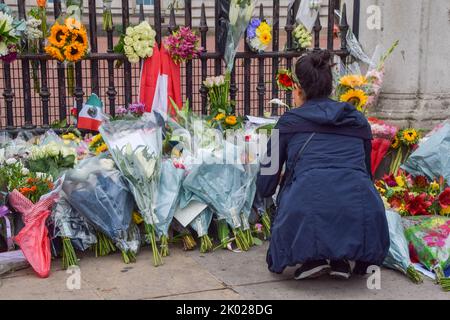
{"x": 4, "y": 210}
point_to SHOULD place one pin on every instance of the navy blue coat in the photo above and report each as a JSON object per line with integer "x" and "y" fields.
{"x": 331, "y": 209}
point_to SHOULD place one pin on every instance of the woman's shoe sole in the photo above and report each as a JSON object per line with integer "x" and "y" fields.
{"x": 340, "y": 275}
{"x": 314, "y": 273}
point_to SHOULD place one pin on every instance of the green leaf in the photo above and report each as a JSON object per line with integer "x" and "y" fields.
{"x": 257, "y": 241}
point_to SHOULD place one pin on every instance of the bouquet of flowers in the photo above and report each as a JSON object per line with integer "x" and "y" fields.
{"x": 68, "y": 43}
{"x": 33, "y": 34}
{"x": 97, "y": 190}
{"x": 398, "y": 255}
{"x": 183, "y": 45}
{"x": 137, "y": 43}
{"x": 240, "y": 14}
{"x": 412, "y": 196}
{"x": 136, "y": 147}
{"x": 134, "y": 110}
{"x": 71, "y": 227}
{"x": 10, "y": 33}
{"x": 430, "y": 243}
{"x": 285, "y": 80}
{"x": 107, "y": 15}
{"x": 383, "y": 135}
{"x": 33, "y": 239}
{"x": 201, "y": 224}
{"x": 96, "y": 144}
{"x": 302, "y": 37}
{"x": 53, "y": 158}
{"x": 404, "y": 142}
{"x": 259, "y": 35}
{"x": 221, "y": 108}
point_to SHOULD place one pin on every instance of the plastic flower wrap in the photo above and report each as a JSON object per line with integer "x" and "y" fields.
{"x": 240, "y": 14}
{"x": 183, "y": 45}
{"x": 71, "y": 227}
{"x": 259, "y": 35}
{"x": 99, "y": 192}
{"x": 383, "y": 136}
{"x": 136, "y": 147}
{"x": 302, "y": 37}
{"x": 10, "y": 33}
{"x": 137, "y": 42}
{"x": 168, "y": 196}
{"x": 431, "y": 157}
{"x": 398, "y": 255}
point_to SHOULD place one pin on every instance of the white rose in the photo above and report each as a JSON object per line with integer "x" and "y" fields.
{"x": 128, "y": 41}
{"x": 52, "y": 149}
{"x": 136, "y": 38}
{"x": 11, "y": 161}
{"x": 148, "y": 52}
{"x": 25, "y": 171}
{"x": 65, "y": 152}
{"x": 128, "y": 50}
{"x": 130, "y": 31}
{"x": 134, "y": 58}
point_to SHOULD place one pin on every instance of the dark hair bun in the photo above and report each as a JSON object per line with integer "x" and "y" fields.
{"x": 320, "y": 59}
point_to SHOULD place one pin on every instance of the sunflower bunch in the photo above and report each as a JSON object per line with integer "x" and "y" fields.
{"x": 353, "y": 88}
{"x": 68, "y": 41}
{"x": 402, "y": 145}
{"x": 97, "y": 145}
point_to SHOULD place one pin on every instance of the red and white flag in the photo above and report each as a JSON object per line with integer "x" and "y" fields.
{"x": 160, "y": 79}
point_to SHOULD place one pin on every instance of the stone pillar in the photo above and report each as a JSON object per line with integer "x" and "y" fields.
{"x": 416, "y": 90}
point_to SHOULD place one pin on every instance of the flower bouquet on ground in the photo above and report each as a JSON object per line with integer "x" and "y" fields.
{"x": 73, "y": 229}
{"x": 98, "y": 191}
{"x": 201, "y": 225}
{"x": 96, "y": 144}
{"x": 259, "y": 35}
{"x": 136, "y": 147}
{"x": 68, "y": 43}
{"x": 430, "y": 243}
{"x": 168, "y": 196}
{"x": 383, "y": 136}
{"x": 137, "y": 43}
{"x": 398, "y": 255}
{"x": 183, "y": 45}
{"x": 34, "y": 201}
{"x": 415, "y": 196}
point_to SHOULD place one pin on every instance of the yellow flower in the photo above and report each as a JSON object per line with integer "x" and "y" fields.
{"x": 80, "y": 36}
{"x": 400, "y": 181}
{"x": 137, "y": 218}
{"x": 69, "y": 136}
{"x": 58, "y": 35}
{"x": 101, "y": 148}
{"x": 54, "y": 53}
{"x": 73, "y": 23}
{"x": 410, "y": 136}
{"x": 353, "y": 81}
{"x": 381, "y": 190}
{"x": 396, "y": 143}
{"x": 96, "y": 139}
{"x": 356, "y": 97}
{"x": 265, "y": 38}
{"x": 434, "y": 186}
{"x": 445, "y": 211}
{"x": 231, "y": 120}
{"x": 219, "y": 117}
{"x": 263, "y": 27}
{"x": 74, "y": 52}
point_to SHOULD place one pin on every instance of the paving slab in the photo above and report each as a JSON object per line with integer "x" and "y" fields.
{"x": 222, "y": 294}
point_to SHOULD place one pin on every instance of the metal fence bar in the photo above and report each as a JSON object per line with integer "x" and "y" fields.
{"x": 189, "y": 70}
{"x": 127, "y": 64}
{"x": 204, "y": 62}
{"x": 93, "y": 41}
{"x": 275, "y": 48}
{"x": 330, "y": 36}
{"x": 61, "y": 73}
{"x": 261, "y": 87}
{"x": 111, "y": 92}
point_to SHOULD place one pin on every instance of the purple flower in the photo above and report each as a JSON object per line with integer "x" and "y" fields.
{"x": 251, "y": 32}
{"x": 255, "y": 22}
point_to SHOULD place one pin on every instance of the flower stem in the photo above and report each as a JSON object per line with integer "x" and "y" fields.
{"x": 164, "y": 246}
{"x": 71, "y": 78}
{"x": 414, "y": 275}
{"x": 188, "y": 242}
{"x": 151, "y": 237}
{"x": 265, "y": 220}
{"x": 69, "y": 257}
{"x": 205, "y": 244}
{"x": 240, "y": 239}
{"x": 223, "y": 232}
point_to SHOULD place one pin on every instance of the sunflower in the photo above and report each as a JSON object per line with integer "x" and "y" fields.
{"x": 396, "y": 143}
{"x": 231, "y": 120}
{"x": 410, "y": 136}
{"x": 58, "y": 35}
{"x": 74, "y": 52}
{"x": 54, "y": 53}
{"x": 80, "y": 37}
{"x": 101, "y": 148}
{"x": 265, "y": 38}
{"x": 353, "y": 81}
{"x": 356, "y": 97}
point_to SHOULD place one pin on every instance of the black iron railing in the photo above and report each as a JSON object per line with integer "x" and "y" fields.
{"x": 252, "y": 80}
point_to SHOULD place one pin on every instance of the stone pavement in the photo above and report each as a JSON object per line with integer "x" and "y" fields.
{"x": 190, "y": 275}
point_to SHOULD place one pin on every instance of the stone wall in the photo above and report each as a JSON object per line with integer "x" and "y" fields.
{"x": 416, "y": 90}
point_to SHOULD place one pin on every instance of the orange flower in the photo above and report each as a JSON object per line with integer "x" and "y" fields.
{"x": 33, "y": 189}
{"x": 41, "y": 3}
{"x": 231, "y": 120}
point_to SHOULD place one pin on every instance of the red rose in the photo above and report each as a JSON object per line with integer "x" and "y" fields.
{"x": 418, "y": 205}
{"x": 74, "y": 111}
{"x": 285, "y": 80}
{"x": 444, "y": 198}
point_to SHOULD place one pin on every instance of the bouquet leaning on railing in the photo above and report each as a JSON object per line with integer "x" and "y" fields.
{"x": 98, "y": 191}
{"x": 136, "y": 147}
